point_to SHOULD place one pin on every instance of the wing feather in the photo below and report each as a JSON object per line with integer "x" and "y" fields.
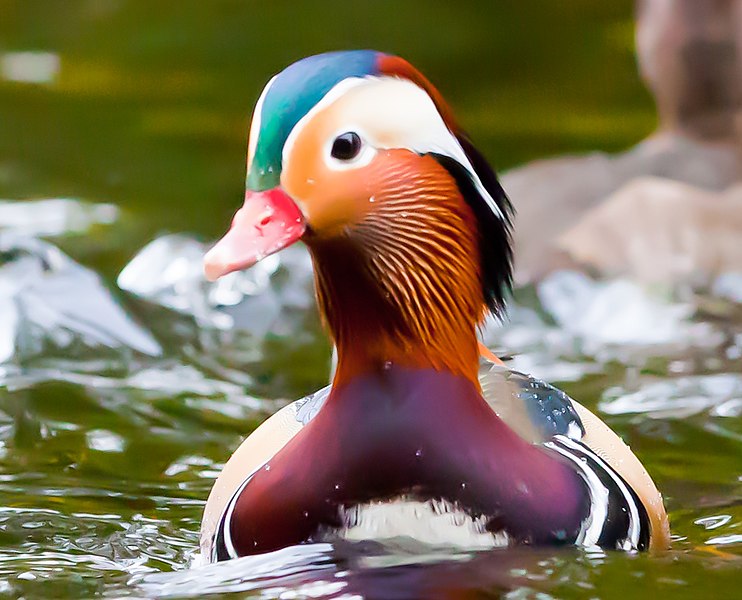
{"x": 543, "y": 414}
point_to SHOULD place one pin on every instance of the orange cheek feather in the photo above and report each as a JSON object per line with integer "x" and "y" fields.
{"x": 329, "y": 199}
{"x": 332, "y": 200}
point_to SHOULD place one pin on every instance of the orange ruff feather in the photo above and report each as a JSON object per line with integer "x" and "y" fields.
{"x": 407, "y": 274}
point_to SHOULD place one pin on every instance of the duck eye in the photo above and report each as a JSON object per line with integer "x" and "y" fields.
{"x": 346, "y": 146}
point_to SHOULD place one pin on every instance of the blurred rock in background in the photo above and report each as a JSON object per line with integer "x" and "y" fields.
{"x": 624, "y": 213}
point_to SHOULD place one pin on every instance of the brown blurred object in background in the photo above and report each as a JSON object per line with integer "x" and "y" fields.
{"x": 628, "y": 213}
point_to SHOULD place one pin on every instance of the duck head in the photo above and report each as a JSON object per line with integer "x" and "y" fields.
{"x": 357, "y": 155}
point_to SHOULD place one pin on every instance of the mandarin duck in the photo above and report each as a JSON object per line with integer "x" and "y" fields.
{"x": 357, "y": 155}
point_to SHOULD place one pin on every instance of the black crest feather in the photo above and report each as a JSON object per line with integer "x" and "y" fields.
{"x": 495, "y": 244}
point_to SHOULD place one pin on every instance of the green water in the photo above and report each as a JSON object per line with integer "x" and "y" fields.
{"x": 103, "y": 478}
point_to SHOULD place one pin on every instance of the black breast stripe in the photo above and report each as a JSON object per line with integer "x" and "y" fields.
{"x": 625, "y": 523}
{"x": 222, "y": 548}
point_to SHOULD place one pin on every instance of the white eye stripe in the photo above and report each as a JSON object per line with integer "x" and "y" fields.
{"x": 335, "y": 92}
{"x": 388, "y": 113}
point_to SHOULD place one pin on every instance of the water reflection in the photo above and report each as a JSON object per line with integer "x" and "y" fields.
{"x": 368, "y": 571}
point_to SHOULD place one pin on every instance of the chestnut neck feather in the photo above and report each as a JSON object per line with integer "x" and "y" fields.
{"x": 403, "y": 285}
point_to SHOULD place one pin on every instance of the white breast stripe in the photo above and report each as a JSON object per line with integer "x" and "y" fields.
{"x": 226, "y": 520}
{"x": 634, "y": 522}
{"x": 592, "y": 527}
